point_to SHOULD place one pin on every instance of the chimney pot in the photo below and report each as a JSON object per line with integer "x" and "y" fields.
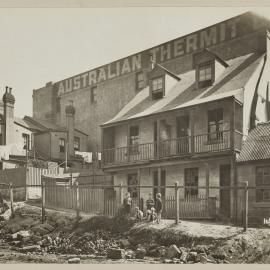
{"x": 10, "y": 89}
{"x": 6, "y": 89}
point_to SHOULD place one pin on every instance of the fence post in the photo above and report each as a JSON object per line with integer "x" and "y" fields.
{"x": 11, "y": 199}
{"x": 121, "y": 193}
{"x": 245, "y": 205}
{"x": 176, "y": 190}
{"x": 42, "y": 201}
{"x": 77, "y": 201}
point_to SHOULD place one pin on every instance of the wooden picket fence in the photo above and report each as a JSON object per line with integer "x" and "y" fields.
{"x": 191, "y": 207}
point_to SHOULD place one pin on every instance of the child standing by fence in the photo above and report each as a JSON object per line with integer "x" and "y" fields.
{"x": 158, "y": 207}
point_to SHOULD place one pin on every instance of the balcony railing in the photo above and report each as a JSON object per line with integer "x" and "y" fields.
{"x": 184, "y": 146}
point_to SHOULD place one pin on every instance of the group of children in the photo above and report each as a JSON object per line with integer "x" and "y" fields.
{"x": 153, "y": 208}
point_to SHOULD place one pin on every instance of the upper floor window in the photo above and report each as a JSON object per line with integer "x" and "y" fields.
{"x": 134, "y": 139}
{"x": 76, "y": 143}
{"x": 93, "y": 94}
{"x": 158, "y": 87}
{"x": 262, "y": 179}
{"x": 139, "y": 81}
{"x": 215, "y": 125}
{"x": 205, "y": 74}
{"x": 26, "y": 141}
{"x": 62, "y": 145}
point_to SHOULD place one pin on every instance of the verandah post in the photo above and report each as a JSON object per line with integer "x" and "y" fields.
{"x": 176, "y": 190}
{"x": 245, "y": 205}
{"x": 77, "y": 200}
{"x": 42, "y": 201}
{"x": 11, "y": 199}
{"x": 120, "y": 194}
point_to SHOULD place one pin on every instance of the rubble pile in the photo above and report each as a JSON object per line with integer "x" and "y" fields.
{"x": 63, "y": 235}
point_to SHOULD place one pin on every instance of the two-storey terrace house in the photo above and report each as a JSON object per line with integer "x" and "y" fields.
{"x": 188, "y": 126}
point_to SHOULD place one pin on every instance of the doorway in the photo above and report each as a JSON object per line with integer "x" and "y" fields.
{"x": 182, "y": 124}
{"x": 225, "y": 194}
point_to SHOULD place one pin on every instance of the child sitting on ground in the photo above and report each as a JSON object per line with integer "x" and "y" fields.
{"x": 138, "y": 214}
{"x": 153, "y": 215}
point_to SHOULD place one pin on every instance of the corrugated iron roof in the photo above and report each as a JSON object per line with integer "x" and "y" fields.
{"x": 184, "y": 93}
{"x": 257, "y": 144}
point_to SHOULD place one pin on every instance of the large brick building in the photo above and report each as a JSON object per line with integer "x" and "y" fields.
{"x": 99, "y": 94}
{"x": 188, "y": 121}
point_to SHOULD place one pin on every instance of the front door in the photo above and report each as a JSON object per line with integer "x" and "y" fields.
{"x": 225, "y": 194}
{"x": 182, "y": 134}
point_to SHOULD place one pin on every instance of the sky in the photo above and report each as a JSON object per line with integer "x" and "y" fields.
{"x": 42, "y": 45}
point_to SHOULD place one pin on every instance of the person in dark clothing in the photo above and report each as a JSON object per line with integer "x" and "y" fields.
{"x": 158, "y": 207}
{"x": 127, "y": 204}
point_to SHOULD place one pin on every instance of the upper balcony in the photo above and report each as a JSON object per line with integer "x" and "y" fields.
{"x": 181, "y": 147}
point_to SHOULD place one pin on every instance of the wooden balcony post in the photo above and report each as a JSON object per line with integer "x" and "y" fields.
{"x": 159, "y": 179}
{"x": 128, "y": 142}
{"x": 192, "y": 138}
{"x": 176, "y": 190}
{"x": 121, "y": 196}
{"x": 232, "y": 126}
{"x": 158, "y": 139}
{"x": 138, "y": 187}
{"x": 245, "y": 205}
{"x": 102, "y": 147}
{"x": 77, "y": 200}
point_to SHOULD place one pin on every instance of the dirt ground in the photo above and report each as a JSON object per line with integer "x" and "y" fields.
{"x": 62, "y": 237}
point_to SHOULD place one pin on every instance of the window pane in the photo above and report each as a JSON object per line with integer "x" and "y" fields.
{"x": 205, "y": 72}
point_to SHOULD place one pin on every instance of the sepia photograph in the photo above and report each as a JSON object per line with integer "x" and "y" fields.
{"x": 135, "y": 135}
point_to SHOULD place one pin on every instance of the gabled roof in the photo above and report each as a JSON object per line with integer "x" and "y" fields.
{"x": 159, "y": 68}
{"x": 41, "y": 125}
{"x": 257, "y": 144}
{"x": 185, "y": 93}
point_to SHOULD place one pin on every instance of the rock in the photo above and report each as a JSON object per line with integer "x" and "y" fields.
{"x": 192, "y": 256}
{"x": 184, "y": 255}
{"x": 202, "y": 258}
{"x": 200, "y": 249}
{"x": 36, "y": 239}
{"x": 74, "y": 260}
{"x": 30, "y": 248}
{"x": 130, "y": 254}
{"x": 219, "y": 254}
{"x": 124, "y": 243}
{"x": 167, "y": 261}
{"x": 115, "y": 253}
{"x": 140, "y": 253}
{"x": 173, "y": 252}
{"x": 22, "y": 234}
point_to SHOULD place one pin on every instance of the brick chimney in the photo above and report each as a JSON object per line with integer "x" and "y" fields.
{"x": 8, "y": 100}
{"x": 70, "y": 113}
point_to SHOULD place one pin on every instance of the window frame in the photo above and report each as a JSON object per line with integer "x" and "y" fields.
{"x": 62, "y": 148}
{"x": 139, "y": 83}
{"x": 204, "y": 66}
{"x": 134, "y": 141}
{"x": 26, "y": 141}
{"x": 218, "y": 124}
{"x": 77, "y": 140}
{"x": 159, "y": 92}
{"x": 260, "y": 192}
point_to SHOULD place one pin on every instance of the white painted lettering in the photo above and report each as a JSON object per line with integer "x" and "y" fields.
{"x": 84, "y": 79}
{"x": 178, "y": 47}
{"x": 101, "y": 75}
{"x": 232, "y": 26}
{"x": 153, "y": 53}
{"x": 191, "y": 43}
{"x": 68, "y": 85}
{"x": 77, "y": 83}
{"x": 125, "y": 67}
{"x": 110, "y": 74}
{"x": 136, "y": 62}
{"x": 222, "y": 32}
{"x": 165, "y": 53}
{"x": 208, "y": 37}
{"x": 61, "y": 89}
{"x": 92, "y": 77}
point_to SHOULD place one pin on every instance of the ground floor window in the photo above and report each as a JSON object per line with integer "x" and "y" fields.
{"x": 132, "y": 183}
{"x": 191, "y": 179}
{"x": 262, "y": 180}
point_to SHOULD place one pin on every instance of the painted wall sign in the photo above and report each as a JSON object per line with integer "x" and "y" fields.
{"x": 213, "y": 35}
